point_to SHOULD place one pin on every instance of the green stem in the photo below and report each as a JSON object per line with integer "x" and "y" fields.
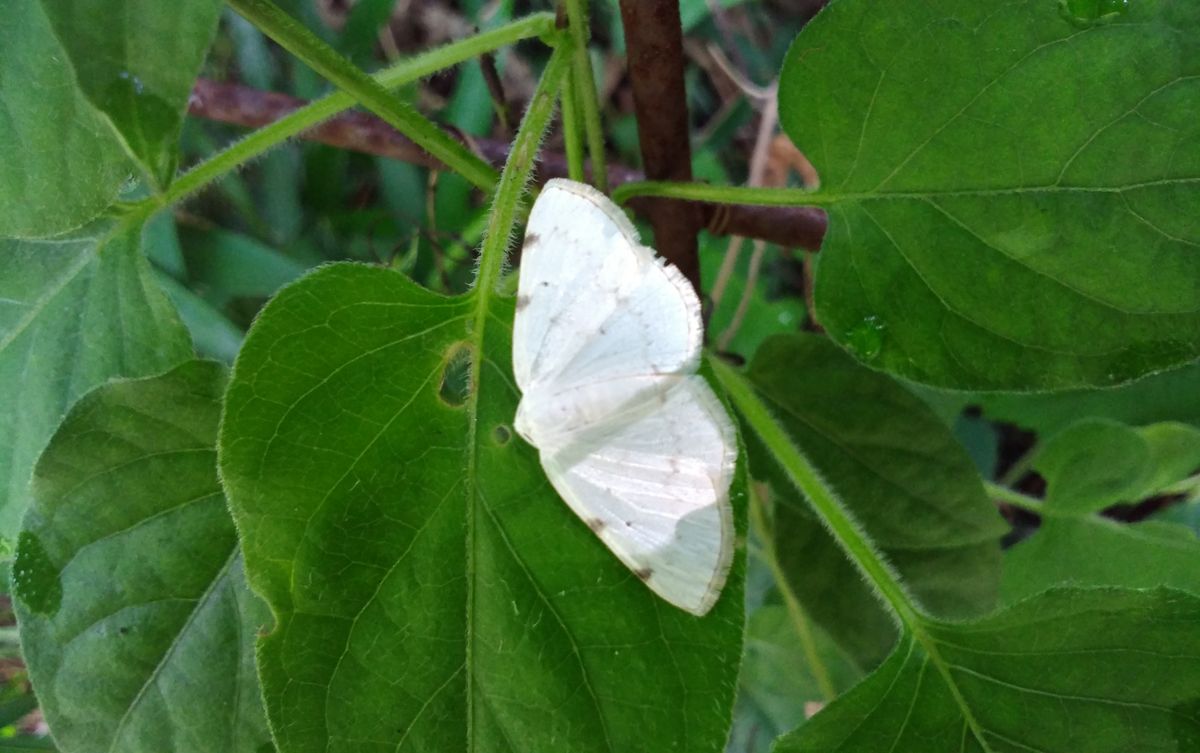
{"x": 323, "y": 59}
{"x": 515, "y": 178}
{"x": 720, "y": 194}
{"x": 1190, "y": 486}
{"x": 824, "y": 500}
{"x": 1015, "y": 498}
{"x": 418, "y": 67}
{"x": 585, "y": 91}
{"x": 572, "y": 137}
{"x": 1020, "y": 468}
{"x": 808, "y": 642}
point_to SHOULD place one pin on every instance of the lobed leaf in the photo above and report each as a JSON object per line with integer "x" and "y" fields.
{"x": 1088, "y": 467}
{"x": 1013, "y": 190}
{"x": 74, "y": 312}
{"x": 135, "y": 620}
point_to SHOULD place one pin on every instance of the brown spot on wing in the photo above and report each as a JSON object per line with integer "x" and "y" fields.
{"x": 644, "y": 573}
{"x": 596, "y": 525}
{"x": 522, "y": 302}
{"x": 531, "y": 239}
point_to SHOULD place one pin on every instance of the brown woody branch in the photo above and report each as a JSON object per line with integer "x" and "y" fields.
{"x": 791, "y": 227}
{"x": 654, "y": 50}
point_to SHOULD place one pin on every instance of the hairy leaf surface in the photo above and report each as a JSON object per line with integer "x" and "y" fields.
{"x": 136, "y": 622}
{"x": 60, "y": 162}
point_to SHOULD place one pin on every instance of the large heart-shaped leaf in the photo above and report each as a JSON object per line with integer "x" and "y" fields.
{"x": 910, "y": 484}
{"x": 135, "y": 618}
{"x": 962, "y": 144}
{"x": 432, "y": 591}
{"x": 74, "y": 313}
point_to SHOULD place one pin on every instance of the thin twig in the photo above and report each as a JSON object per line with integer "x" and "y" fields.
{"x": 739, "y": 315}
{"x": 758, "y": 168}
{"x": 793, "y": 227}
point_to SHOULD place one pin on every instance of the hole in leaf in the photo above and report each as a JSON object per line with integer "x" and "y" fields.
{"x": 501, "y": 434}
{"x": 456, "y": 377}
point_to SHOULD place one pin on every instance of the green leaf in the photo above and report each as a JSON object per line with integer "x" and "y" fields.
{"x": 1094, "y": 464}
{"x": 231, "y": 265}
{"x": 214, "y": 335}
{"x": 60, "y": 163}
{"x": 136, "y": 61}
{"x": 1094, "y": 551}
{"x": 1170, "y": 396}
{"x": 1013, "y": 191}
{"x": 903, "y": 474}
{"x": 135, "y": 619}
{"x": 1088, "y": 467}
{"x": 1085, "y": 671}
{"x": 431, "y": 590}
{"x": 74, "y": 312}
{"x": 777, "y": 682}
{"x": 22, "y": 744}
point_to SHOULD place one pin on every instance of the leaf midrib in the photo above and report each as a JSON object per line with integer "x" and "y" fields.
{"x": 218, "y": 579}
{"x": 912, "y": 620}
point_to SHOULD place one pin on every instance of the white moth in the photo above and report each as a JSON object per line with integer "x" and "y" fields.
{"x": 606, "y": 344}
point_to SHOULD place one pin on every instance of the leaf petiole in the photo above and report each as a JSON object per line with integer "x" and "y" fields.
{"x": 264, "y": 139}
{"x": 297, "y": 39}
{"x": 584, "y": 88}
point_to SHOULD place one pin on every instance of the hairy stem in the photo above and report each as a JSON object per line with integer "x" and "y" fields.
{"x": 515, "y": 177}
{"x": 824, "y": 501}
{"x": 800, "y": 621}
{"x": 572, "y": 137}
{"x": 584, "y": 91}
{"x": 306, "y": 46}
{"x": 279, "y": 128}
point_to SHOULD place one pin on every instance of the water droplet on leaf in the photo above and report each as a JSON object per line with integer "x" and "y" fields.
{"x": 34, "y": 577}
{"x": 865, "y": 339}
